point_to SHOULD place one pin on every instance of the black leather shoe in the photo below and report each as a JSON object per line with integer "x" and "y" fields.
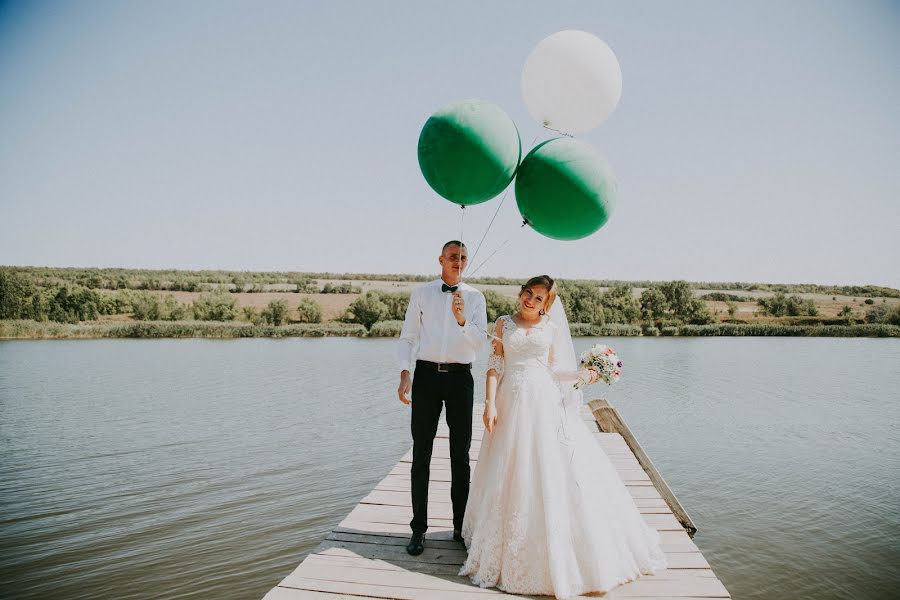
{"x": 457, "y": 536}
{"x": 416, "y": 544}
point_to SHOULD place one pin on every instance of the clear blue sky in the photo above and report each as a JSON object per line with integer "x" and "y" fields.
{"x": 755, "y": 141}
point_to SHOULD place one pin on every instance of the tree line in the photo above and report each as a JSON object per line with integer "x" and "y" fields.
{"x": 255, "y": 281}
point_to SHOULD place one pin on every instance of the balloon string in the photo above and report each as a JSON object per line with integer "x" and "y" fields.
{"x": 559, "y": 131}
{"x": 496, "y": 212}
{"x": 462, "y": 218}
{"x": 503, "y": 245}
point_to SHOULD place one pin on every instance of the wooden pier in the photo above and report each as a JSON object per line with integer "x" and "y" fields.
{"x": 365, "y": 555}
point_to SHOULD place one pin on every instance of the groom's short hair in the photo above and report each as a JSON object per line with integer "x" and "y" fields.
{"x": 452, "y": 243}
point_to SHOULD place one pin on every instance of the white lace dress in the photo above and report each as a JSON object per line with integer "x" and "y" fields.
{"x": 547, "y": 512}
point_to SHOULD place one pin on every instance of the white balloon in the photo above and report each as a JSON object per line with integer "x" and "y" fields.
{"x": 571, "y": 81}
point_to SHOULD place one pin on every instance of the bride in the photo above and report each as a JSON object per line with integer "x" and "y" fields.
{"x": 547, "y": 512}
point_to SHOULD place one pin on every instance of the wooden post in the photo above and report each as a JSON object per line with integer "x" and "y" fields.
{"x": 610, "y": 421}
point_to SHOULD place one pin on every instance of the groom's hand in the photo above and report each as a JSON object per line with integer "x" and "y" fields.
{"x": 405, "y": 386}
{"x": 458, "y": 306}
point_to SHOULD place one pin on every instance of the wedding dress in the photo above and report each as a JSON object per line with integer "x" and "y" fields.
{"x": 547, "y": 512}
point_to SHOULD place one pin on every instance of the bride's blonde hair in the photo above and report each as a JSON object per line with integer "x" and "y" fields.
{"x": 544, "y": 281}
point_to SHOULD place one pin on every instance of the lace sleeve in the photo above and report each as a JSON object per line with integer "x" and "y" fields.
{"x": 495, "y": 360}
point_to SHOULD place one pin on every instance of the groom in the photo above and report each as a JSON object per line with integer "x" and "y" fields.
{"x": 444, "y": 328}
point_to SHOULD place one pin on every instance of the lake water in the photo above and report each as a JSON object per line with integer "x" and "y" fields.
{"x": 209, "y": 468}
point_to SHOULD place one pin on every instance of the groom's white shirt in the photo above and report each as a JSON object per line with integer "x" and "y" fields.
{"x": 430, "y": 331}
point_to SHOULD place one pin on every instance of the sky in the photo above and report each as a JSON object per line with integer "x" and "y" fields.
{"x": 754, "y": 141}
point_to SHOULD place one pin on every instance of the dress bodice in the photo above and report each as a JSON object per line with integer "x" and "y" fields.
{"x": 526, "y": 347}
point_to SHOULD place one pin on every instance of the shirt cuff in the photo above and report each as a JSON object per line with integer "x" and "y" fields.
{"x": 404, "y": 366}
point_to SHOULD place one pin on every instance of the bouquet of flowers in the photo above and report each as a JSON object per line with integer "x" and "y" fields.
{"x": 605, "y": 361}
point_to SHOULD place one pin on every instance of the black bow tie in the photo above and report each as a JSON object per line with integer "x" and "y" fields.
{"x": 448, "y": 288}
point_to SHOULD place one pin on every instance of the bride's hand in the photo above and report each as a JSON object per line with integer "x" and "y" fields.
{"x": 590, "y": 375}
{"x": 489, "y": 417}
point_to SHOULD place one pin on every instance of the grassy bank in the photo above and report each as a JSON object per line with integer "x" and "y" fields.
{"x": 206, "y": 329}
{"x": 172, "y": 329}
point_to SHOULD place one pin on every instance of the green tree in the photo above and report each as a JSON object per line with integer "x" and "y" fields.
{"x": 145, "y": 307}
{"x": 679, "y": 297}
{"x": 497, "y": 305}
{"x": 654, "y": 304}
{"x": 396, "y": 303}
{"x": 309, "y": 311}
{"x": 619, "y": 305}
{"x": 217, "y": 305}
{"x": 582, "y": 302}
{"x": 276, "y": 312}
{"x": 71, "y": 305}
{"x": 171, "y": 309}
{"x": 368, "y": 309}
{"x": 16, "y": 296}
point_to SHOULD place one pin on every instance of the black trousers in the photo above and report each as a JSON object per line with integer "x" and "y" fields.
{"x": 430, "y": 391}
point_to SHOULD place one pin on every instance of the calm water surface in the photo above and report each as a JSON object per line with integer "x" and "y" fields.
{"x": 209, "y": 468}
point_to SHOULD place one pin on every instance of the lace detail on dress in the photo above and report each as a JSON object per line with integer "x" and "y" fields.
{"x": 526, "y": 527}
{"x": 495, "y": 362}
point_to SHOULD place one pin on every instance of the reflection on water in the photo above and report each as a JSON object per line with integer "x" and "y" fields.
{"x": 208, "y": 468}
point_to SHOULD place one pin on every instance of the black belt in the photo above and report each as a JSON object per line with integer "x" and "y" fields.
{"x": 444, "y": 367}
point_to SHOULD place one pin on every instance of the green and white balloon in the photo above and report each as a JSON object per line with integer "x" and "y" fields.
{"x": 469, "y": 151}
{"x": 565, "y": 190}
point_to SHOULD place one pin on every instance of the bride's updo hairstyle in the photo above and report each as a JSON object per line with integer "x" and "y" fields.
{"x": 544, "y": 281}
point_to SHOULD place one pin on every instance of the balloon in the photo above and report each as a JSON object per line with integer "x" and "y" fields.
{"x": 469, "y": 151}
{"x": 571, "y": 81}
{"x": 565, "y": 189}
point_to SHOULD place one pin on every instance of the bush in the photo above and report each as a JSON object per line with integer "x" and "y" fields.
{"x": 309, "y": 311}
{"x": 649, "y": 330}
{"x": 884, "y": 314}
{"x": 869, "y": 301}
{"x": 368, "y": 309}
{"x": 306, "y": 285}
{"x": 792, "y": 306}
{"x": 723, "y": 297}
{"x": 169, "y": 329}
{"x": 217, "y": 305}
{"x": 386, "y": 329}
{"x": 732, "y": 309}
{"x": 145, "y": 307}
{"x": 669, "y": 330}
{"x": 275, "y": 313}
{"x": 341, "y": 288}
{"x": 251, "y": 315}
{"x": 610, "y": 330}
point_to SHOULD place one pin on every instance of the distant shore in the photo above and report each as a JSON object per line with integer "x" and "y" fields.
{"x": 35, "y": 330}
{"x": 75, "y": 303}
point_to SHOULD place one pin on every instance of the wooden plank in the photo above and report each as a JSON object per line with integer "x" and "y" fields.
{"x": 365, "y": 555}
{"x": 399, "y": 482}
{"x": 382, "y": 513}
{"x": 443, "y": 509}
{"x": 610, "y": 420}
{"x": 434, "y": 555}
{"x": 280, "y": 593}
{"x": 351, "y": 580}
{"x": 442, "y": 499}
